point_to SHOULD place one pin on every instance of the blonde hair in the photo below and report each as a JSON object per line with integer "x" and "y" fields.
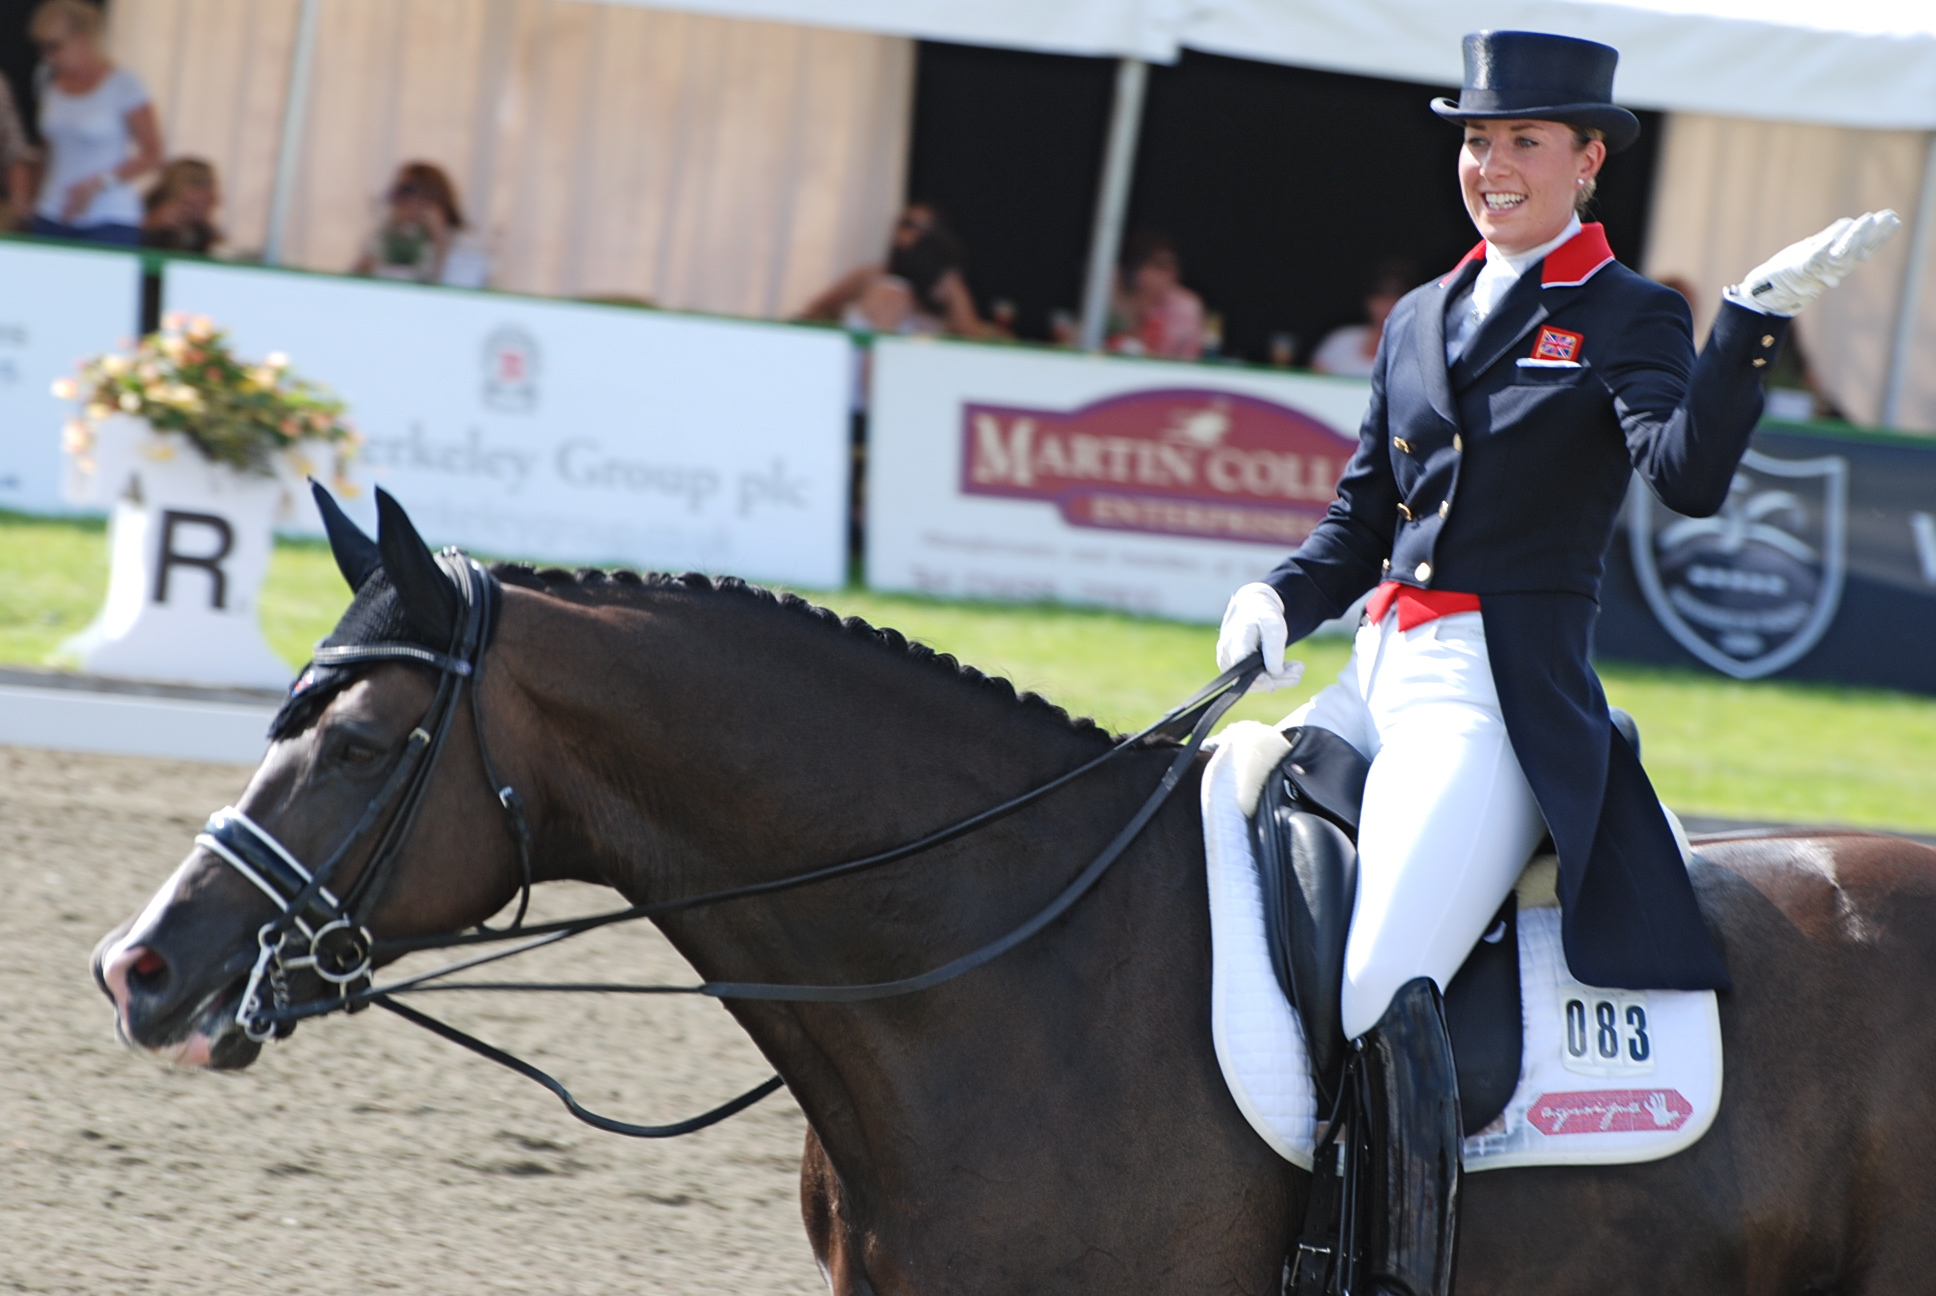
{"x": 1583, "y": 136}
{"x": 76, "y": 17}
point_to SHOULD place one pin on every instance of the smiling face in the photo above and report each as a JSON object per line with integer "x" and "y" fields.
{"x": 1520, "y": 179}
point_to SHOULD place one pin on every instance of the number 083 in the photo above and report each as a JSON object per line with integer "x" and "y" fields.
{"x": 1607, "y": 1032}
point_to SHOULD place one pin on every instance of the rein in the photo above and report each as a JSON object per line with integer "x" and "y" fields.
{"x": 340, "y": 949}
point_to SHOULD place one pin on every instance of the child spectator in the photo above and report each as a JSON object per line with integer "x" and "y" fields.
{"x": 1155, "y": 314}
{"x": 179, "y": 212}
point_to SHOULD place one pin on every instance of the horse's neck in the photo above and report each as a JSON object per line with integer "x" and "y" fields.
{"x": 698, "y": 752}
{"x": 724, "y": 741}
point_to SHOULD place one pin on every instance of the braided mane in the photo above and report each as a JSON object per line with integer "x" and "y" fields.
{"x": 626, "y": 586}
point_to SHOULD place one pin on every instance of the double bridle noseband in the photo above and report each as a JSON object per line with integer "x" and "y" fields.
{"x": 315, "y": 930}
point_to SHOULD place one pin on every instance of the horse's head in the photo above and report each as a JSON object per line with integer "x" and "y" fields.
{"x": 373, "y": 757}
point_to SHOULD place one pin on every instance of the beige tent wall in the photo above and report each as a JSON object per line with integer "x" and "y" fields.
{"x": 602, "y": 150}
{"x": 1731, "y": 192}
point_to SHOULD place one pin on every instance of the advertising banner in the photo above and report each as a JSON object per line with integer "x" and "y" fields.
{"x": 1010, "y": 473}
{"x": 1820, "y": 566}
{"x": 567, "y": 432}
{"x": 57, "y": 305}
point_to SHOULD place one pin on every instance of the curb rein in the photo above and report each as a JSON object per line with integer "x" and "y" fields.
{"x": 316, "y": 931}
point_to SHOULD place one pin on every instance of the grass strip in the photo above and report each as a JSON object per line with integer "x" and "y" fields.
{"x": 1805, "y": 753}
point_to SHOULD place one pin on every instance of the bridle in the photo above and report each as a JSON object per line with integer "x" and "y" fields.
{"x": 315, "y": 930}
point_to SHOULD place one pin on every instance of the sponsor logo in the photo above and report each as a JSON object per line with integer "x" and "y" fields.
{"x": 511, "y": 370}
{"x": 1209, "y": 464}
{"x": 1610, "y": 1111}
{"x": 1557, "y": 344}
{"x": 1751, "y": 589}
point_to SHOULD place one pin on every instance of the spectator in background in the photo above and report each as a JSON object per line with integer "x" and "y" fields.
{"x": 929, "y": 260}
{"x": 179, "y": 212}
{"x": 423, "y": 237}
{"x": 1686, "y": 290}
{"x": 16, "y": 163}
{"x": 886, "y": 305}
{"x": 1155, "y": 314}
{"x": 99, "y": 128}
{"x": 1350, "y": 350}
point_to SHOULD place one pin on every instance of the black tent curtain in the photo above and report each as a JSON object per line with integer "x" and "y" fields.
{"x": 1282, "y": 188}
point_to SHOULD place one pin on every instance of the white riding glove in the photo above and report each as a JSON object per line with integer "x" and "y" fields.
{"x": 1801, "y": 272}
{"x": 1253, "y": 619}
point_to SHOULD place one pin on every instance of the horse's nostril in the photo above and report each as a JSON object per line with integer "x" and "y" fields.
{"x": 149, "y": 972}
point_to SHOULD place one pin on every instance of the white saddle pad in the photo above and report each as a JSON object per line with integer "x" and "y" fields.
{"x": 1606, "y": 1076}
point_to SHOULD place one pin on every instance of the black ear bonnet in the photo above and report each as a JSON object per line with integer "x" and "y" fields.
{"x": 423, "y": 612}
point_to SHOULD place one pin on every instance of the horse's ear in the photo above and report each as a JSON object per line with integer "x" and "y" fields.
{"x": 356, "y": 554}
{"x": 430, "y": 603}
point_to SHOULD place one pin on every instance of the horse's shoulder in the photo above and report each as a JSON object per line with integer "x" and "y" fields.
{"x": 1829, "y": 883}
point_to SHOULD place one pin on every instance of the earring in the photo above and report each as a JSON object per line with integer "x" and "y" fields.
{"x": 1579, "y": 184}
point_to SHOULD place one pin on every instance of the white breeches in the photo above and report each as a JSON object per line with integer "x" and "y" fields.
{"x": 1448, "y": 820}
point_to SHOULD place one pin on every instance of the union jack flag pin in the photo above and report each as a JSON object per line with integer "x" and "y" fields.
{"x": 1557, "y": 344}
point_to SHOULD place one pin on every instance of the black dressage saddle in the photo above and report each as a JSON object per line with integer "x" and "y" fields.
{"x": 1306, "y": 830}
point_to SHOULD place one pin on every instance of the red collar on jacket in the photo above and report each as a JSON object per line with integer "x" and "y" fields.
{"x": 1569, "y": 265}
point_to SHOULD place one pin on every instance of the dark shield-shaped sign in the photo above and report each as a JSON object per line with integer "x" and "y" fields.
{"x": 1751, "y": 589}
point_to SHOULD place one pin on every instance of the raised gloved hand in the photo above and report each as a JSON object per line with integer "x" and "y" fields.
{"x": 1801, "y": 272}
{"x": 1253, "y": 619}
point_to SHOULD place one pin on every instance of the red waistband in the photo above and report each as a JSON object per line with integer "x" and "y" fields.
{"x": 1417, "y": 606}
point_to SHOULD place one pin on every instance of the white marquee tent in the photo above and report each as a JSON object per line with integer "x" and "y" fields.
{"x": 1869, "y": 63}
{"x": 1783, "y": 114}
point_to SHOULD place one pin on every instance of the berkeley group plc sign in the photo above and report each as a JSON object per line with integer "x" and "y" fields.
{"x": 568, "y": 432}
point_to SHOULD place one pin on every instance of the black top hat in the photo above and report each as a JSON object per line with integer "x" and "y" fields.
{"x": 1516, "y": 74}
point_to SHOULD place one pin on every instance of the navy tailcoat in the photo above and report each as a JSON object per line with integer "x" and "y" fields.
{"x": 1504, "y": 480}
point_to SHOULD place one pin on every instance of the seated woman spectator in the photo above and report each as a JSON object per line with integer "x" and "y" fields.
{"x": 179, "y": 212}
{"x": 1155, "y": 315}
{"x": 929, "y": 259}
{"x": 99, "y": 128}
{"x": 423, "y": 238}
{"x": 1349, "y": 351}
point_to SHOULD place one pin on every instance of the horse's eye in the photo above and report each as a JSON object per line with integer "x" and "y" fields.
{"x": 357, "y": 752}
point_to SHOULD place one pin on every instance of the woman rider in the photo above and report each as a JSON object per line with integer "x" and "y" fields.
{"x": 1511, "y": 402}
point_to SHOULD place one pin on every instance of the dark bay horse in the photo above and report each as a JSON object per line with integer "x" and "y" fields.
{"x": 1054, "y": 1121}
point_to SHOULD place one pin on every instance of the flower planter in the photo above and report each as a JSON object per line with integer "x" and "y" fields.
{"x": 189, "y": 542}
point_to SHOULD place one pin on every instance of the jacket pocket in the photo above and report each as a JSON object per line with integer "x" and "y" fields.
{"x": 1549, "y": 376}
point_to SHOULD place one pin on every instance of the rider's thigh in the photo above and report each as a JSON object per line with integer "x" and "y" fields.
{"x": 1447, "y": 825}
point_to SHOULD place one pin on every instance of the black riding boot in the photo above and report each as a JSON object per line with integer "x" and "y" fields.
{"x": 1412, "y": 1127}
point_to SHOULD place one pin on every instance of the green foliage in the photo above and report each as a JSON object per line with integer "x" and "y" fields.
{"x": 1762, "y": 750}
